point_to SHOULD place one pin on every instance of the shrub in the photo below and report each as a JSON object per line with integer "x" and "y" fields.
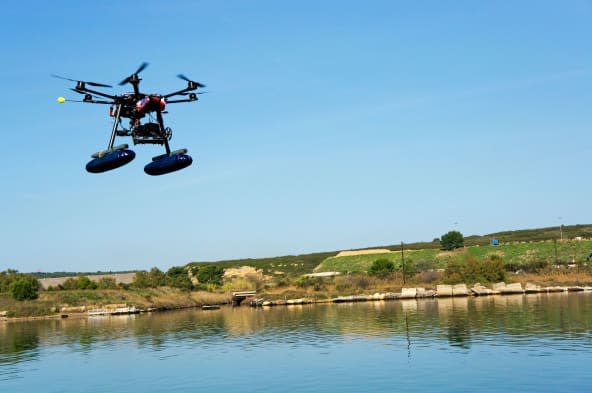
{"x": 152, "y": 279}
{"x": 316, "y": 282}
{"x": 70, "y": 284}
{"x": 429, "y": 276}
{"x": 453, "y": 273}
{"x": 86, "y": 283}
{"x": 381, "y": 268}
{"x": 20, "y": 286}
{"x": 452, "y": 240}
{"x": 472, "y": 270}
{"x": 107, "y": 283}
{"x": 81, "y": 282}
{"x": 424, "y": 265}
{"x": 24, "y": 288}
{"x": 493, "y": 269}
{"x": 177, "y": 277}
{"x": 209, "y": 274}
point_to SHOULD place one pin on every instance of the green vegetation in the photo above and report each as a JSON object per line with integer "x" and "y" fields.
{"x": 208, "y": 274}
{"x": 152, "y": 279}
{"x": 527, "y": 257}
{"x": 291, "y": 265}
{"x": 24, "y": 288}
{"x": 82, "y": 282}
{"x": 106, "y": 283}
{"x": 19, "y": 286}
{"x": 452, "y": 240}
{"x": 473, "y": 270}
{"x": 535, "y": 253}
{"x": 176, "y": 277}
{"x": 382, "y": 268}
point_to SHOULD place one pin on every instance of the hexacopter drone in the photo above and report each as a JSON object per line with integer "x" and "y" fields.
{"x": 146, "y": 125}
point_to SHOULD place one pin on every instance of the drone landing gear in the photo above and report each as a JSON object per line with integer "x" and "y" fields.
{"x": 114, "y": 156}
{"x": 170, "y": 161}
{"x": 106, "y": 160}
{"x": 167, "y": 163}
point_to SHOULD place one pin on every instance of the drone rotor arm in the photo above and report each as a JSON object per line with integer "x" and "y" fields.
{"x": 176, "y": 93}
{"x": 97, "y": 93}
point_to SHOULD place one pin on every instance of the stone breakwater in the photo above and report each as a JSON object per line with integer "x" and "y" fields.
{"x": 458, "y": 290}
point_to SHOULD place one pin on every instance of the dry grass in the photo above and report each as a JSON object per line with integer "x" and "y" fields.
{"x": 50, "y": 303}
{"x": 556, "y": 277}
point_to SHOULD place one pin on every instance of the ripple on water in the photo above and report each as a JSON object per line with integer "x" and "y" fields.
{"x": 534, "y": 342}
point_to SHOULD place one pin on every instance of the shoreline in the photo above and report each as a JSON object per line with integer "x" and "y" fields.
{"x": 408, "y": 293}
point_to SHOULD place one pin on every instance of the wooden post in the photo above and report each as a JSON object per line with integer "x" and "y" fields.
{"x": 403, "y": 261}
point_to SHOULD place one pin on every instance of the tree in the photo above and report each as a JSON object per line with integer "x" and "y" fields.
{"x": 382, "y": 268}
{"x": 152, "y": 279}
{"x": 177, "y": 277}
{"x": 24, "y": 288}
{"x": 209, "y": 274}
{"x": 452, "y": 240}
{"x": 85, "y": 283}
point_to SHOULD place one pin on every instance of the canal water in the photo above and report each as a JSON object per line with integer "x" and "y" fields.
{"x": 536, "y": 343}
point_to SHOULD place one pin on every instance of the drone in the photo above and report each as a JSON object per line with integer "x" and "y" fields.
{"x": 146, "y": 124}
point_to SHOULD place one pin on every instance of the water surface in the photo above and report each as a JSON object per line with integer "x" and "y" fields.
{"x": 537, "y": 343}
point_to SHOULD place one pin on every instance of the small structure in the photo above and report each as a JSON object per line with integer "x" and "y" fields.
{"x": 494, "y": 242}
{"x": 238, "y": 297}
{"x": 323, "y": 274}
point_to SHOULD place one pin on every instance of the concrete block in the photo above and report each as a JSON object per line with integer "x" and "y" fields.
{"x": 481, "y": 290}
{"x": 512, "y": 288}
{"x": 408, "y": 293}
{"x": 444, "y": 290}
{"x": 460, "y": 290}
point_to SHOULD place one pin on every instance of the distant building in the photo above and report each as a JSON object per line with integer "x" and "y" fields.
{"x": 494, "y": 242}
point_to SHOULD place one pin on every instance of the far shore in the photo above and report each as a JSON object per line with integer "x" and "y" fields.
{"x": 167, "y": 299}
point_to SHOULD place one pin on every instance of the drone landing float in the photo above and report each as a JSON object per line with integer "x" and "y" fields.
{"x": 107, "y": 160}
{"x": 168, "y": 163}
{"x": 137, "y": 107}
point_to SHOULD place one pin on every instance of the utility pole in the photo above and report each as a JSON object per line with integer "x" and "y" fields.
{"x": 555, "y": 244}
{"x": 403, "y": 262}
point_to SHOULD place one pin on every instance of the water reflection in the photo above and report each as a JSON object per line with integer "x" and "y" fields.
{"x": 459, "y": 322}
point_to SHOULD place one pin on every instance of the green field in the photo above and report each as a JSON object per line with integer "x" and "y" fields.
{"x": 514, "y": 255}
{"x": 517, "y": 248}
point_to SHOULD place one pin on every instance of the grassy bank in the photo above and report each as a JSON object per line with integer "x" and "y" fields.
{"x": 50, "y": 303}
{"x": 515, "y": 256}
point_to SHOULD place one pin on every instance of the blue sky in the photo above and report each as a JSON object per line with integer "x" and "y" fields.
{"x": 328, "y": 125}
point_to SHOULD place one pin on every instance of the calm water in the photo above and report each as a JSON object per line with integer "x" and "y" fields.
{"x": 539, "y": 343}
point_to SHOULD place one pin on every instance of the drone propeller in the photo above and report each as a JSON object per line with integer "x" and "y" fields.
{"x": 85, "y": 82}
{"x": 186, "y": 94}
{"x": 134, "y": 76}
{"x": 85, "y": 93}
{"x": 192, "y": 84}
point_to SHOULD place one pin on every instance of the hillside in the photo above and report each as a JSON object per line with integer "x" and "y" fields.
{"x": 428, "y": 253}
{"x": 515, "y": 256}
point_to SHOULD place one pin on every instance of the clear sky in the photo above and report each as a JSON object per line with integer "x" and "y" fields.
{"x": 328, "y": 125}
